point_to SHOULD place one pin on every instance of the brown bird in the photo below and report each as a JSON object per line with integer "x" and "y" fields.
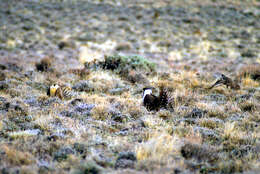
{"x": 60, "y": 91}
{"x": 152, "y": 102}
{"x": 226, "y": 81}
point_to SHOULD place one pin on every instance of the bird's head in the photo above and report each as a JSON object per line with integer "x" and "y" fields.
{"x": 147, "y": 91}
{"x": 52, "y": 90}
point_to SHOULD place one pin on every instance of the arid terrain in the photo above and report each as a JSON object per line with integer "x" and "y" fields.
{"x": 105, "y": 53}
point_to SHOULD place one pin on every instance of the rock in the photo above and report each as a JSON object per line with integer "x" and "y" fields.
{"x": 125, "y": 160}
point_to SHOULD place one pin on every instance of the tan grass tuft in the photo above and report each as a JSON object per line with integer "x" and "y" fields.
{"x": 159, "y": 146}
{"x": 17, "y": 157}
{"x": 100, "y": 112}
{"x": 211, "y": 124}
{"x": 194, "y": 137}
{"x": 164, "y": 114}
{"x": 252, "y": 71}
{"x": 248, "y": 82}
{"x": 234, "y": 134}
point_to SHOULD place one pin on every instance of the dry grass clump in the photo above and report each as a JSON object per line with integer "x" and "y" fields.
{"x": 153, "y": 122}
{"x": 220, "y": 90}
{"x": 133, "y": 107}
{"x": 209, "y": 123}
{"x": 232, "y": 107}
{"x": 232, "y": 133}
{"x": 199, "y": 152}
{"x": 170, "y": 85}
{"x": 252, "y": 71}
{"x": 1, "y": 125}
{"x": 181, "y": 130}
{"x": 100, "y": 112}
{"x": 16, "y": 157}
{"x": 159, "y": 147}
{"x": 183, "y": 97}
{"x": 248, "y": 106}
{"x": 28, "y": 170}
{"x": 228, "y": 166}
{"x": 43, "y": 121}
{"x": 213, "y": 110}
{"x": 164, "y": 114}
{"x": 87, "y": 167}
{"x": 189, "y": 78}
{"x": 194, "y": 137}
{"x": 104, "y": 80}
{"x": 249, "y": 82}
{"x": 82, "y": 73}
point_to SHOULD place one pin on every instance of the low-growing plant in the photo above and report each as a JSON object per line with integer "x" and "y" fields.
{"x": 120, "y": 63}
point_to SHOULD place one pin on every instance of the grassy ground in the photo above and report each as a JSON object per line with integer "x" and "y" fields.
{"x": 107, "y": 51}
